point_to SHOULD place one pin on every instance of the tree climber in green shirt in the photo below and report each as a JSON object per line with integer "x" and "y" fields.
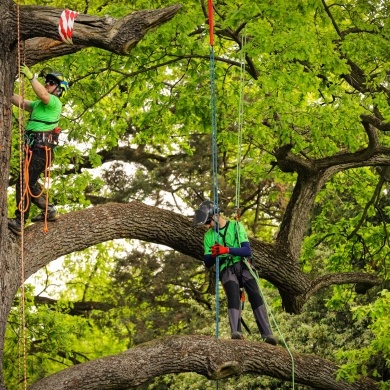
{"x": 41, "y": 139}
{"x": 234, "y": 273}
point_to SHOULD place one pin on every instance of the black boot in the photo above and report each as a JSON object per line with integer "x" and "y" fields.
{"x": 271, "y": 340}
{"x": 52, "y": 215}
{"x": 15, "y": 225}
{"x": 237, "y": 335}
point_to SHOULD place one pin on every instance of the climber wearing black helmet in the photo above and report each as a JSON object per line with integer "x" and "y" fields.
{"x": 41, "y": 137}
{"x": 232, "y": 246}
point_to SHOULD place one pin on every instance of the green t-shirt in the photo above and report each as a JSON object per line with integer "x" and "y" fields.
{"x": 231, "y": 235}
{"x": 49, "y": 113}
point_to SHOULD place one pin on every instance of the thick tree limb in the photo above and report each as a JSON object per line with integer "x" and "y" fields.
{"x": 312, "y": 175}
{"x": 76, "y": 308}
{"x": 76, "y": 231}
{"x": 205, "y": 355}
{"x": 43, "y": 49}
{"x": 376, "y": 122}
{"x": 119, "y": 36}
{"x": 343, "y": 278}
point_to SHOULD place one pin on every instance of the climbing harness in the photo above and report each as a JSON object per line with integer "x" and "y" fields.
{"x": 40, "y": 140}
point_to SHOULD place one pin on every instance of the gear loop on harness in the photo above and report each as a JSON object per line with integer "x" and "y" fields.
{"x": 42, "y": 139}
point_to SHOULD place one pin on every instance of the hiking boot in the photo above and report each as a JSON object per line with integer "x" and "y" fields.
{"x": 271, "y": 340}
{"x": 237, "y": 336}
{"x": 15, "y": 225}
{"x": 52, "y": 215}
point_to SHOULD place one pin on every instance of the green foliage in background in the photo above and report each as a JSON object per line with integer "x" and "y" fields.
{"x": 138, "y": 127}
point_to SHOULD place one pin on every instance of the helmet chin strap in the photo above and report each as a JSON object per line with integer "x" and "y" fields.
{"x": 216, "y": 221}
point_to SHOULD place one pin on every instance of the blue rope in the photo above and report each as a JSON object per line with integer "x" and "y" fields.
{"x": 213, "y": 104}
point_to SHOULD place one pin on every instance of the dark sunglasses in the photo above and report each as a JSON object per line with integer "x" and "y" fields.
{"x": 51, "y": 82}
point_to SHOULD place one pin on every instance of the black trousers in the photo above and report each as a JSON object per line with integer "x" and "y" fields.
{"x": 37, "y": 166}
{"x": 233, "y": 278}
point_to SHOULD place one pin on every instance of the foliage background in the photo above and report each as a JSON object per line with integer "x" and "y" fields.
{"x": 139, "y": 128}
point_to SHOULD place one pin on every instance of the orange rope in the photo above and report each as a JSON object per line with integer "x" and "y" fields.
{"x": 47, "y": 176}
{"x": 27, "y": 190}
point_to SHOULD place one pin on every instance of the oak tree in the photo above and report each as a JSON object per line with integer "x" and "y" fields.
{"x": 316, "y": 107}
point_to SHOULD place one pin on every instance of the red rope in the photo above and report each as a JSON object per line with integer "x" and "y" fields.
{"x": 211, "y": 22}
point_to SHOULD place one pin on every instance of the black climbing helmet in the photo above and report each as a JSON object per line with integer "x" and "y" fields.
{"x": 58, "y": 77}
{"x": 204, "y": 213}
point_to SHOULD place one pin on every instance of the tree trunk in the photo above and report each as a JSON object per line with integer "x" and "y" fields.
{"x": 9, "y": 267}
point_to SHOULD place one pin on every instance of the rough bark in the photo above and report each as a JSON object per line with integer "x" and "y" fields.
{"x": 277, "y": 262}
{"x": 213, "y": 358}
{"x": 82, "y": 229}
{"x": 21, "y": 32}
{"x": 8, "y": 271}
{"x": 39, "y": 28}
{"x": 312, "y": 175}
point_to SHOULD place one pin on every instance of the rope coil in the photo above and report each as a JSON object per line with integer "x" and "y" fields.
{"x": 26, "y": 193}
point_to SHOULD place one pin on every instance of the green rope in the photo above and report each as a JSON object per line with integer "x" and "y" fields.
{"x": 238, "y": 186}
{"x": 269, "y": 311}
{"x": 240, "y": 124}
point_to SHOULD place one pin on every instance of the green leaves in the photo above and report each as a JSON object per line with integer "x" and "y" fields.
{"x": 139, "y": 127}
{"x": 378, "y": 314}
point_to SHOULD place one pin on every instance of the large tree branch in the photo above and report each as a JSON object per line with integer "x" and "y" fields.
{"x": 43, "y": 49}
{"x": 298, "y": 211}
{"x": 82, "y": 229}
{"x": 312, "y": 175}
{"x": 376, "y": 122}
{"x": 205, "y": 355}
{"x": 119, "y": 36}
{"x": 78, "y": 230}
{"x": 368, "y": 280}
{"x": 76, "y": 308}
